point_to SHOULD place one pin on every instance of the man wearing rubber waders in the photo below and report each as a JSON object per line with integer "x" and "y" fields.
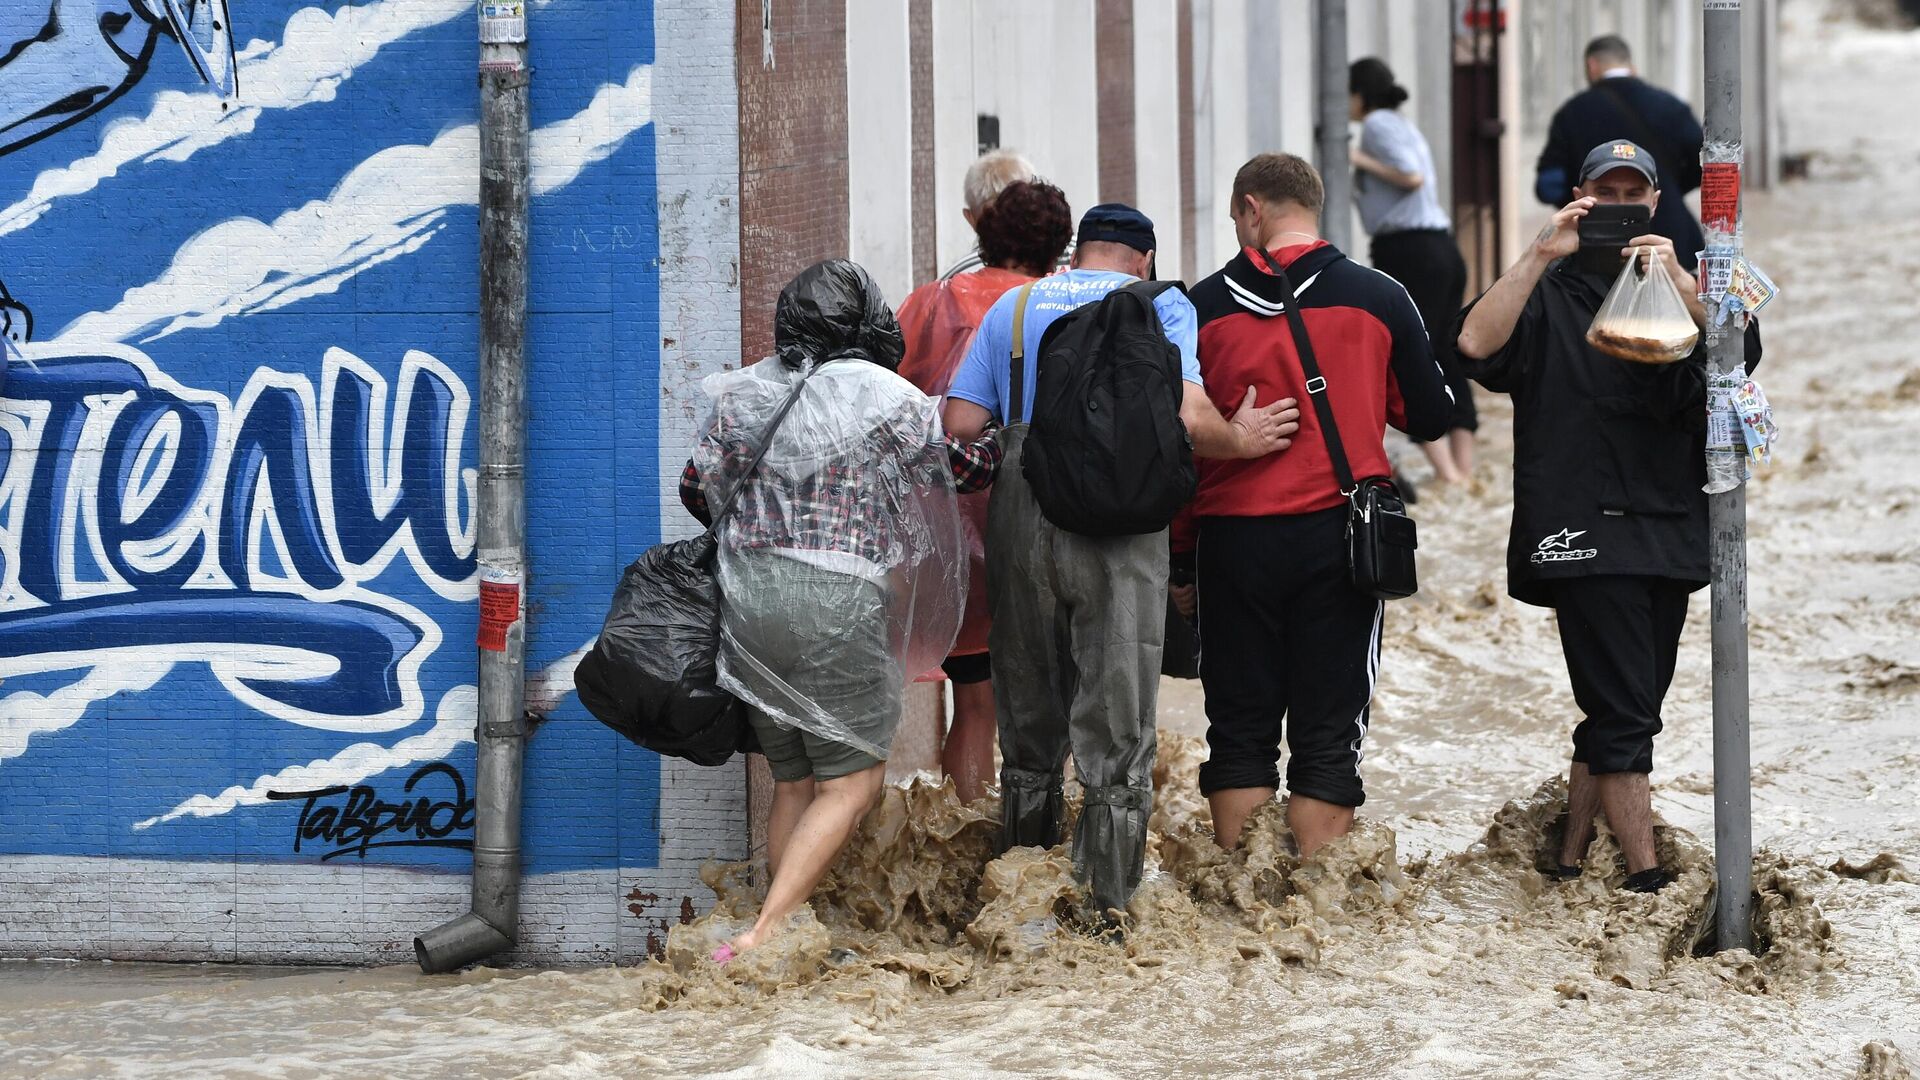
{"x": 1609, "y": 516}
{"x": 1093, "y": 376}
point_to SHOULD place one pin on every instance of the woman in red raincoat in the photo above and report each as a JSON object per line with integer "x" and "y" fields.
{"x": 1022, "y": 232}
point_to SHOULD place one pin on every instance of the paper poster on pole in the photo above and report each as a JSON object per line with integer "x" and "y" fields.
{"x": 1715, "y": 271}
{"x": 1720, "y": 196}
{"x": 503, "y": 22}
{"x": 499, "y": 608}
{"x": 1752, "y": 286}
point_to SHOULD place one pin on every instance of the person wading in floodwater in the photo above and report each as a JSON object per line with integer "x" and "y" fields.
{"x": 1023, "y": 228}
{"x": 1609, "y": 519}
{"x": 840, "y": 566}
{"x": 1078, "y": 620}
{"x": 1288, "y": 640}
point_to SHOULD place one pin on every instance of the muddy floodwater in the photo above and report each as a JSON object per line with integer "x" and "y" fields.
{"x": 1424, "y": 945}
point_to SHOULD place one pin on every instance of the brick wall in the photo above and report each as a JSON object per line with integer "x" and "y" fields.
{"x": 1113, "y": 59}
{"x": 793, "y": 151}
{"x": 793, "y": 186}
{"x": 926, "y": 255}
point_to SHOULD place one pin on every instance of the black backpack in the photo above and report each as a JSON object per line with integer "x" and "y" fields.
{"x": 1106, "y": 451}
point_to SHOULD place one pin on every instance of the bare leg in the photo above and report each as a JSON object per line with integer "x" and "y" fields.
{"x": 1231, "y": 807}
{"x": 1440, "y": 456}
{"x": 1314, "y": 822}
{"x": 790, "y": 799}
{"x": 1628, "y": 800}
{"x": 1462, "y": 441}
{"x": 1583, "y": 804}
{"x": 822, "y": 831}
{"x": 967, "y": 756}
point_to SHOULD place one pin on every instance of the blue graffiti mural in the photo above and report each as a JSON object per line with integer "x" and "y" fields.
{"x": 237, "y": 599}
{"x": 62, "y": 61}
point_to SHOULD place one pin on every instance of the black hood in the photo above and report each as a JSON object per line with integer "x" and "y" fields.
{"x": 834, "y": 309}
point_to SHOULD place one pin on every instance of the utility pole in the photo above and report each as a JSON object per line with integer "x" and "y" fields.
{"x": 1721, "y": 159}
{"x": 500, "y": 737}
{"x": 1336, "y": 173}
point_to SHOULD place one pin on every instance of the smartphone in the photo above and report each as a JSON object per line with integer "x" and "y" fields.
{"x": 1604, "y": 232}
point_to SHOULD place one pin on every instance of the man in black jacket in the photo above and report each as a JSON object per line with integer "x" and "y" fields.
{"x": 1609, "y": 519}
{"x": 1617, "y": 104}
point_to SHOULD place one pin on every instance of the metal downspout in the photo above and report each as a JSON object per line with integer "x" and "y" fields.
{"x": 492, "y": 925}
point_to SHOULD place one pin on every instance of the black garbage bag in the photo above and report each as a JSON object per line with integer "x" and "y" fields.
{"x": 651, "y": 675}
{"x": 834, "y": 308}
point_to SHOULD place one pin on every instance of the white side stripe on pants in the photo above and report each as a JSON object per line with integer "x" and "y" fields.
{"x": 1373, "y": 674}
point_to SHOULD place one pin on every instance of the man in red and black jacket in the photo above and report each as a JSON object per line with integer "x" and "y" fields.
{"x": 1290, "y": 644}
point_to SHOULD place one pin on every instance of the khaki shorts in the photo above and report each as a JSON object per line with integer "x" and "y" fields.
{"x": 818, "y": 640}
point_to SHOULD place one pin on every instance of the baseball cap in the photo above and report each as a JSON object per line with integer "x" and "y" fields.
{"x": 1117, "y": 223}
{"x": 1619, "y": 154}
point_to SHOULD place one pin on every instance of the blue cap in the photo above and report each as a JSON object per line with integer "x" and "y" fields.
{"x": 1619, "y": 154}
{"x": 1117, "y": 223}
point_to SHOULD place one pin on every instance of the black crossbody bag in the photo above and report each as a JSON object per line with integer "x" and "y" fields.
{"x": 1381, "y": 538}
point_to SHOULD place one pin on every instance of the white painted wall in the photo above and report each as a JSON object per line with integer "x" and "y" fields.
{"x": 880, "y": 144}
{"x": 1033, "y": 67}
{"x": 1222, "y": 132}
{"x": 1296, "y": 67}
{"x": 1156, "y": 125}
{"x": 953, "y": 124}
{"x": 1431, "y": 28}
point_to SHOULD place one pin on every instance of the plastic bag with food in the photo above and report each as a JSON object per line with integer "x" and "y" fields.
{"x": 1643, "y": 318}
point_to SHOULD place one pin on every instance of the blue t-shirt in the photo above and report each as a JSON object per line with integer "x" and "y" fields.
{"x": 985, "y": 376}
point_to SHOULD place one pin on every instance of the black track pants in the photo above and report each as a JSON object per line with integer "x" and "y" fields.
{"x": 1620, "y": 635}
{"x": 1289, "y": 648}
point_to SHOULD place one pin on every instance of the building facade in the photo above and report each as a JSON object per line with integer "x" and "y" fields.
{"x": 238, "y": 247}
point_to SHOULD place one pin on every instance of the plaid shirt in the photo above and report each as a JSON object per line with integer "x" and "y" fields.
{"x": 841, "y": 507}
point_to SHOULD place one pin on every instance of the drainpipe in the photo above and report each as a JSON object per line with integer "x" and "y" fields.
{"x": 500, "y": 738}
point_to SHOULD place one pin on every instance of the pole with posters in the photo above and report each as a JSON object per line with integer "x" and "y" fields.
{"x": 1330, "y": 121}
{"x": 500, "y": 737}
{"x": 1721, "y": 159}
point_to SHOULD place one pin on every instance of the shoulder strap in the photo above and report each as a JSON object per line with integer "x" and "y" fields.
{"x": 1316, "y": 382}
{"x": 1017, "y": 377}
{"x": 1641, "y": 133}
{"x": 1149, "y": 292}
{"x": 1152, "y": 289}
{"x": 765, "y": 440}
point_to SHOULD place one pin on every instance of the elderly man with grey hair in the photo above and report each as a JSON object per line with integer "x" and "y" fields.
{"x": 987, "y": 177}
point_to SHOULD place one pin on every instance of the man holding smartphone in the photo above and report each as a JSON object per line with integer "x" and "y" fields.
{"x": 1609, "y": 519}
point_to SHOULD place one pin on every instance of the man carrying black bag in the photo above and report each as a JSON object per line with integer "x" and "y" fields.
{"x": 1102, "y": 364}
{"x": 1289, "y": 609}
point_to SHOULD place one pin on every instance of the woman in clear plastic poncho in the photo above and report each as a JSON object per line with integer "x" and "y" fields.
{"x": 842, "y": 569}
{"x": 1022, "y": 231}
